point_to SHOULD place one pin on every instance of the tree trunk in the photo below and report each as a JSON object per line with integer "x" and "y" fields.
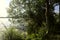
{"x": 50, "y": 23}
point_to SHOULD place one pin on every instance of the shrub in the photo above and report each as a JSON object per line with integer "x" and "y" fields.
{"x": 12, "y": 34}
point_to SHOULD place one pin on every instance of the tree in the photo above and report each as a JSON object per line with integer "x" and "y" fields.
{"x": 52, "y": 24}
{"x": 28, "y": 13}
{"x": 34, "y": 15}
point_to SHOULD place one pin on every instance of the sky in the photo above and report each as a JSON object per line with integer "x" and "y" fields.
{"x": 56, "y": 9}
{"x": 3, "y": 12}
{"x": 3, "y": 5}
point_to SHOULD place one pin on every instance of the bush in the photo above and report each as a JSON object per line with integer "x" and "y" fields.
{"x": 12, "y": 34}
{"x": 16, "y": 34}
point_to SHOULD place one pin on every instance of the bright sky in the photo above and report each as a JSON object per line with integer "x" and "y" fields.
{"x": 56, "y": 9}
{"x": 3, "y": 5}
{"x": 3, "y": 12}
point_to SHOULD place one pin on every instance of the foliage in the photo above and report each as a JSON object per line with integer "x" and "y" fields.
{"x": 27, "y": 13}
{"x": 31, "y": 16}
{"x": 12, "y": 34}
